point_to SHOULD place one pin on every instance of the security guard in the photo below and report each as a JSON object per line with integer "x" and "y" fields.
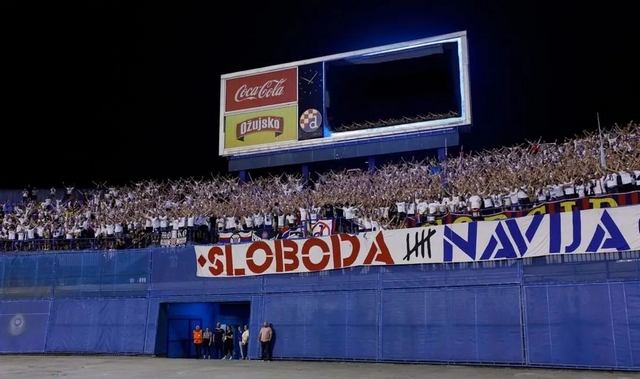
{"x": 197, "y": 341}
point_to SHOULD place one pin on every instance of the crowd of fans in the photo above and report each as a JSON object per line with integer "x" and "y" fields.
{"x": 381, "y": 123}
{"x": 395, "y": 195}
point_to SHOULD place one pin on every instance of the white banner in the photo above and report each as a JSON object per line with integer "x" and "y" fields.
{"x": 589, "y": 231}
{"x": 173, "y": 238}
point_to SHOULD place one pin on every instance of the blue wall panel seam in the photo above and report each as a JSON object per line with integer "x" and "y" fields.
{"x": 626, "y": 314}
{"x": 613, "y": 330}
{"x": 549, "y": 325}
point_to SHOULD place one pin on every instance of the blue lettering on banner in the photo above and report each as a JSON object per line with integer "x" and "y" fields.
{"x": 467, "y": 246}
{"x": 616, "y": 239}
{"x": 511, "y": 242}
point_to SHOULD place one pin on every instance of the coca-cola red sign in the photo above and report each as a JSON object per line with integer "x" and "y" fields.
{"x": 271, "y": 88}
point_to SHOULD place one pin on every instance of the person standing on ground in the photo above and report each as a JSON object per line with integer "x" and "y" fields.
{"x": 265, "y": 335}
{"x": 244, "y": 342}
{"x": 228, "y": 343}
{"x": 206, "y": 343}
{"x": 217, "y": 341}
{"x": 197, "y": 341}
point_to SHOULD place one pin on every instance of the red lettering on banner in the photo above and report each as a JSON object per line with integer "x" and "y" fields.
{"x": 259, "y": 245}
{"x": 291, "y": 255}
{"x": 335, "y": 250}
{"x": 279, "y": 257}
{"x": 228, "y": 254}
{"x": 338, "y": 260}
{"x": 379, "y": 252}
{"x": 217, "y": 267}
{"x": 306, "y": 251}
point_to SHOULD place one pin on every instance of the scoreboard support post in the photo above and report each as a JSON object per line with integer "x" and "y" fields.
{"x": 371, "y": 161}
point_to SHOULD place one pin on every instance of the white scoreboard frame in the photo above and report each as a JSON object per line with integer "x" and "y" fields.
{"x": 465, "y": 98}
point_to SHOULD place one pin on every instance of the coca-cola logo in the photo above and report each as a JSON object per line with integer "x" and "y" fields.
{"x": 261, "y": 90}
{"x": 271, "y": 88}
{"x": 260, "y": 124}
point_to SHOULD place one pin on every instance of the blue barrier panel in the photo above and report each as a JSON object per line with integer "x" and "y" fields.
{"x": 355, "y": 278}
{"x": 174, "y": 273}
{"x": 78, "y": 274}
{"x": 98, "y": 326}
{"x": 499, "y": 324}
{"x": 27, "y": 276}
{"x": 23, "y": 326}
{"x": 403, "y": 324}
{"x": 571, "y": 325}
{"x": 289, "y": 313}
{"x": 325, "y": 325}
{"x": 102, "y": 273}
{"x": 539, "y": 349}
{"x": 257, "y": 317}
{"x": 621, "y": 323}
{"x": 631, "y": 294}
{"x": 3, "y": 262}
{"x": 124, "y": 273}
{"x": 451, "y": 274}
{"x": 362, "y": 325}
{"x": 582, "y": 268}
{"x": 466, "y": 324}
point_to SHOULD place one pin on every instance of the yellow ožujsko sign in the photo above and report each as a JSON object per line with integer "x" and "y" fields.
{"x": 261, "y": 127}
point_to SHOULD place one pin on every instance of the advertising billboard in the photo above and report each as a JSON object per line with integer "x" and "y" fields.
{"x": 402, "y": 89}
{"x": 260, "y": 90}
{"x": 266, "y": 126}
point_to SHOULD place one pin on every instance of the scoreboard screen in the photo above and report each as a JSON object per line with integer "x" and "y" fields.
{"x": 377, "y": 93}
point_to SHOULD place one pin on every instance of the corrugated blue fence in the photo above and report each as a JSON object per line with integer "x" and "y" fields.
{"x": 575, "y": 311}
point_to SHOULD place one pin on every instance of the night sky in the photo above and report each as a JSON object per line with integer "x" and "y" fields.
{"x": 124, "y": 91}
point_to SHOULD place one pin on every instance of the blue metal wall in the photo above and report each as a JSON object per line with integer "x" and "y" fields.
{"x": 575, "y": 311}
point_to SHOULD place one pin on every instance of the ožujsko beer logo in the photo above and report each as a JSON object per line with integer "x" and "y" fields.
{"x": 260, "y": 124}
{"x": 310, "y": 120}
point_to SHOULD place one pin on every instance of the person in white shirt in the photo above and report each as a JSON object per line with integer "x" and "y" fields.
{"x": 118, "y": 230}
{"x": 523, "y": 198}
{"x": 557, "y": 193}
{"x": 291, "y": 220}
{"x": 281, "y": 221}
{"x": 268, "y": 221}
{"x": 514, "y": 200}
{"x": 384, "y": 213}
{"x": 401, "y": 209}
{"x": 597, "y": 188}
{"x": 475, "y": 203}
{"x": 488, "y": 203}
{"x": 164, "y": 223}
{"x": 627, "y": 181}
{"x": 258, "y": 220}
{"x": 612, "y": 183}
{"x": 422, "y": 209}
{"x": 570, "y": 191}
{"x": 230, "y": 223}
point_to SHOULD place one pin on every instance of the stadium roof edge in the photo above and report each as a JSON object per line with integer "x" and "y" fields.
{"x": 407, "y": 44}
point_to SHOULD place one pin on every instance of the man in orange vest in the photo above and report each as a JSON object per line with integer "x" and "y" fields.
{"x": 197, "y": 341}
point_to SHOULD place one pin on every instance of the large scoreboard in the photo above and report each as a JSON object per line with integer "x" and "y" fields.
{"x": 381, "y": 93}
